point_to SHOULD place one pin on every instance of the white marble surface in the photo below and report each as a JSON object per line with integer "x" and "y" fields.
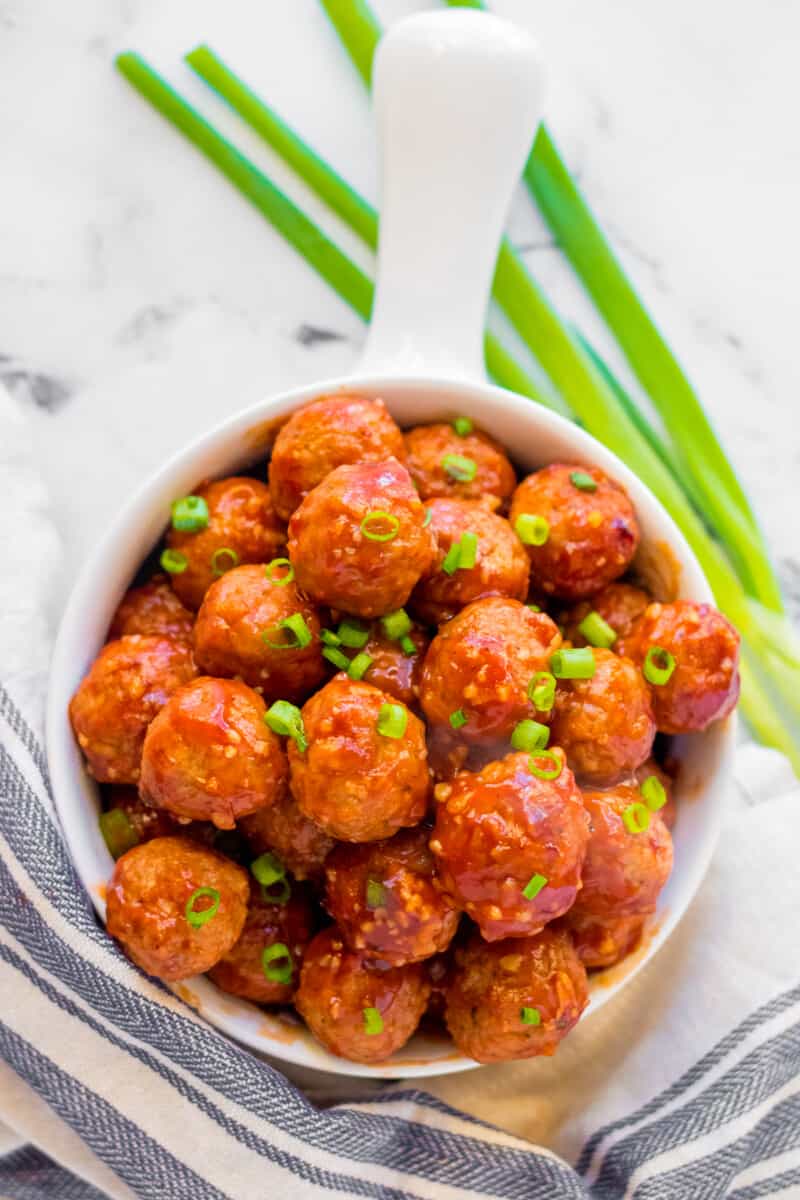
{"x": 141, "y": 298}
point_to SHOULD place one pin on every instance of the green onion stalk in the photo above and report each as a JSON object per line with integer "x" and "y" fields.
{"x": 603, "y": 415}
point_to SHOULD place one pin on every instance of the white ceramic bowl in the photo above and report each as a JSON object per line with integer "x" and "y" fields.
{"x": 437, "y": 77}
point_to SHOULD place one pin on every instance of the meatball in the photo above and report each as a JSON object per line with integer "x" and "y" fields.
{"x": 256, "y": 625}
{"x": 330, "y": 432}
{"x": 500, "y": 565}
{"x": 358, "y": 542}
{"x": 480, "y": 667}
{"x": 392, "y": 669}
{"x": 129, "y": 681}
{"x": 127, "y": 821}
{"x": 242, "y": 528}
{"x": 282, "y": 827}
{"x": 152, "y": 610}
{"x": 510, "y": 843}
{"x": 435, "y": 454}
{"x": 358, "y": 1009}
{"x": 383, "y": 898}
{"x": 603, "y": 941}
{"x": 604, "y": 724}
{"x": 284, "y": 931}
{"x": 157, "y": 903}
{"x": 591, "y": 529}
{"x": 209, "y": 755}
{"x": 704, "y": 684}
{"x": 516, "y": 998}
{"x": 629, "y": 856}
{"x": 620, "y": 605}
{"x": 364, "y": 774}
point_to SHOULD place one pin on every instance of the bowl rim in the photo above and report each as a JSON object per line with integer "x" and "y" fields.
{"x": 147, "y": 510}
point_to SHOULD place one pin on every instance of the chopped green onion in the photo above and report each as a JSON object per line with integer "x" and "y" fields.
{"x": 376, "y": 894}
{"x": 189, "y": 514}
{"x": 460, "y": 468}
{"x": 597, "y": 631}
{"x": 530, "y": 736}
{"x": 532, "y": 530}
{"x": 330, "y": 638}
{"x": 396, "y": 624}
{"x": 118, "y": 832}
{"x": 428, "y": 515}
{"x": 223, "y": 560}
{"x": 392, "y": 720}
{"x": 542, "y": 691}
{"x": 373, "y": 1022}
{"x": 636, "y": 817}
{"x": 583, "y": 481}
{"x": 278, "y": 564}
{"x": 654, "y": 793}
{"x": 573, "y": 664}
{"x": 267, "y": 869}
{"x": 337, "y": 658}
{"x": 296, "y": 626}
{"x": 458, "y": 719}
{"x": 451, "y": 559}
{"x": 173, "y": 561}
{"x": 359, "y": 665}
{"x": 195, "y": 918}
{"x": 287, "y": 720}
{"x": 468, "y": 550}
{"x": 352, "y": 633}
{"x": 534, "y": 607}
{"x": 545, "y": 772}
{"x": 658, "y": 666}
{"x": 270, "y": 896}
{"x": 377, "y": 516}
{"x": 274, "y": 971}
{"x": 530, "y": 1016}
{"x": 463, "y": 426}
{"x": 408, "y": 646}
{"x": 534, "y": 886}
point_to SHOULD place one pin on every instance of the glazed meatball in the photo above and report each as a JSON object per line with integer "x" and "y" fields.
{"x": 358, "y": 542}
{"x": 509, "y": 844}
{"x": 129, "y": 681}
{"x": 704, "y": 684}
{"x": 242, "y": 528}
{"x": 620, "y": 605}
{"x": 591, "y": 531}
{"x": 242, "y": 631}
{"x": 127, "y": 821}
{"x": 328, "y": 433}
{"x": 435, "y": 457}
{"x": 152, "y": 610}
{"x": 356, "y": 782}
{"x": 604, "y": 724}
{"x": 383, "y": 898}
{"x": 245, "y": 970}
{"x": 481, "y": 666}
{"x": 153, "y": 897}
{"x": 392, "y": 668}
{"x": 603, "y": 941}
{"x": 209, "y": 756}
{"x": 283, "y": 828}
{"x": 358, "y": 1009}
{"x": 516, "y": 998}
{"x": 629, "y": 856}
{"x": 500, "y": 565}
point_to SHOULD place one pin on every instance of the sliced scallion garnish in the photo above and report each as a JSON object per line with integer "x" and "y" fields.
{"x": 597, "y": 631}
{"x": 459, "y": 468}
{"x": 189, "y": 514}
{"x": 276, "y": 961}
{"x": 380, "y": 526}
{"x": 530, "y": 736}
{"x": 392, "y": 720}
{"x": 531, "y": 529}
{"x": 659, "y": 665}
{"x": 575, "y": 663}
{"x": 199, "y": 917}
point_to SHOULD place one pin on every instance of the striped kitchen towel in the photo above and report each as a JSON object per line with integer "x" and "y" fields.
{"x": 686, "y": 1085}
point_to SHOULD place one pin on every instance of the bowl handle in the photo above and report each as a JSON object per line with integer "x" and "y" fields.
{"x": 458, "y": 97}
